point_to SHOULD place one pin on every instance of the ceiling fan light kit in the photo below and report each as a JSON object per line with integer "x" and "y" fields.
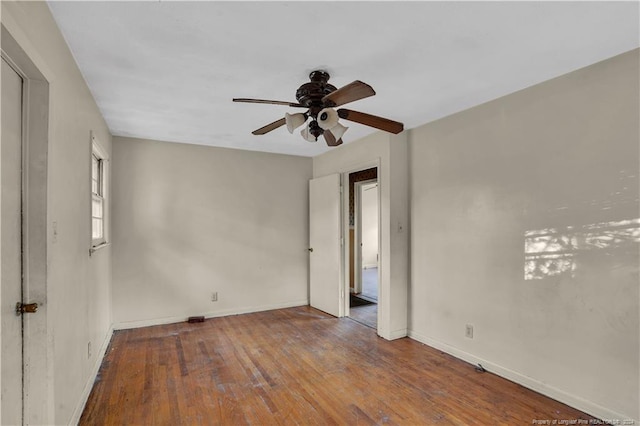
{"x": 294, "y": 121}
{"x": 327, "y": 118}
{"x": 338, "y": 130}
{"x": 308, "y": 136}
{"x": 321, "y": 98}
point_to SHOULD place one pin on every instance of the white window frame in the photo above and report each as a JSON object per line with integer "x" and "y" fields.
{"x": 100, "y": 194}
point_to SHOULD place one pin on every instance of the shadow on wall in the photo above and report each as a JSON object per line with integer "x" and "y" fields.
{"x": 557, "y": 251}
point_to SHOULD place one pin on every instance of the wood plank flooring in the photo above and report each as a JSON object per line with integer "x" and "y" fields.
{"x": 297, "y": 366}
{"x": 365, "y": 314}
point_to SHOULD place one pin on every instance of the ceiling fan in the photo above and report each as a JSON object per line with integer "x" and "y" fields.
{"x": 320, "y": 98}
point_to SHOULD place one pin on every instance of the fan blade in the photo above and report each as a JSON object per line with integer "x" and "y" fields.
{"x": 330, "y": 139}
{"x": 371, "y": 120}
{"x": 349, "y": 93}
{"x": 269, "y": 127}
{"x": 266, "y": 101}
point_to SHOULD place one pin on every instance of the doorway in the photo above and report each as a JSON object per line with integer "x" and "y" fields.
{"x": 366, "y": 241}
{"x": 364, "y": 247}
{"x": 26, "y": 377}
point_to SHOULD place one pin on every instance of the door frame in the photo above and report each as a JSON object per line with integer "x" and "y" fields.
{"x": 357, "y": 225}
{"x": 382, "y": 302}
{"x": 38, "y": 401}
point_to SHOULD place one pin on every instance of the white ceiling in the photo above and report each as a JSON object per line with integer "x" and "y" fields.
{"x": 168, "y": 70}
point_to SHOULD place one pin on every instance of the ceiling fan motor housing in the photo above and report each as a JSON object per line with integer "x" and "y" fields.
{"x": 310, "y": 94}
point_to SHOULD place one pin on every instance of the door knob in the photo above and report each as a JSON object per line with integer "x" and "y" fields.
{"x": 311, "y": 249}
{"x": 27, "y": 308}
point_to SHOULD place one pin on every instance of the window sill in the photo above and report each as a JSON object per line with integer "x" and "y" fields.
{"x": 98, "y": 247}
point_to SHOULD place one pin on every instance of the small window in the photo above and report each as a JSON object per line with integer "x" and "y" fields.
{"x": 98, "y": 197}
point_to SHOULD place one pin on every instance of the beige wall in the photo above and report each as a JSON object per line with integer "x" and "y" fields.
{"x": 192, "y": 220}
{"x": 561, "y": 156}
{"x": 76, "y": 308}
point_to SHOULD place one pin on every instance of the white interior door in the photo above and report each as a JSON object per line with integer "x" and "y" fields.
{"x": 369, "y": 241}
{"x": 366, "y": 244}
{"x": 325, "y": 291}
{"x": 11, "y": 246}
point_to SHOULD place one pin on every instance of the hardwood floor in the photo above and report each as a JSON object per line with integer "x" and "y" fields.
{"x": 365, "y": 314}
{"x": 297, "y": 366}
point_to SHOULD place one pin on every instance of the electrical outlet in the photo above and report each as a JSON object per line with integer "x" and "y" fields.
{"x": 89, "y": 350}
{"x": 214, "y": 296}
{"x": 468, "y": 332}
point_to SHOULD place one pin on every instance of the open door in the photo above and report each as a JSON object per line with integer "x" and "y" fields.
{"x": 325, "y": 290}
{"x": 11, "y": 246}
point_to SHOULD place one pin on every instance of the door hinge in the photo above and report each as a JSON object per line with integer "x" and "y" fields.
{"x": 27, "y": 308}
{"x": 341, "y": 241}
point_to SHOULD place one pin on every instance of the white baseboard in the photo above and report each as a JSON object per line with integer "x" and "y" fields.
{"x": 574, "y": 401}
{"x": 392, "y": 335}
{"x": 77, "y": 413}
{"x": 223, "y": 313}
{"x": 398, "y": 334}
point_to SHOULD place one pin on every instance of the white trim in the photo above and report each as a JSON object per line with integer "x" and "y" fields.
{"x": 172, "y": 320}
{"x": 98, "y": 247}
{"x": 398, "y": 334}
{"x": 98, "y": 150}
{"x": 574, "y": 401}
{"x": 97, "y": 146}
{"x": 86, "y": 391}
{"x": 382, "y": 302}
{"x": 22, "y": 40}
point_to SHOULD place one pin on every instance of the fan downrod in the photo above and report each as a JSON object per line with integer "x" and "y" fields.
{"x": 320, "y": 76}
